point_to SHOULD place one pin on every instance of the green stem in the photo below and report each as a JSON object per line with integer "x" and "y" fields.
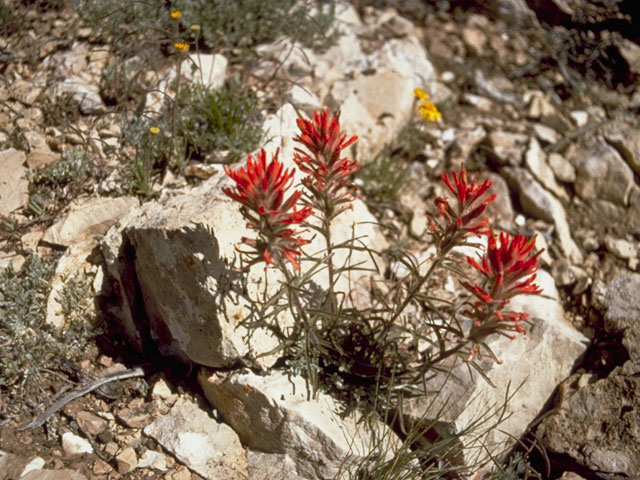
{"x": 308, "y": 325}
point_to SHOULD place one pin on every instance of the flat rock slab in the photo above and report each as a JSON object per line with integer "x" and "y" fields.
{"x": 208, "y": 448}
{"x": 532, "y": 366}
{"x": 14, "y": 186}
{"x": 87, "y": 218}
{"x": 272, "y": 414}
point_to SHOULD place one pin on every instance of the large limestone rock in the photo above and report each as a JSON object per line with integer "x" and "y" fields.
{"x": 540, "y": 203}
{"x": 272, "y": 414}
{"x": 14, "y": 186}
{"x": 602, "y": 174}
{"x": 598, "y": 426}
{"x": 209, "y": 448}
{"x": 373, "y": 90}
{"x": 532, "y": 366}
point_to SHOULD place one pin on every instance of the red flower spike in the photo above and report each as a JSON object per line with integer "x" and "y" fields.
{"x": 509, "y": 269}
{"x": 261, "y": 189}
{"x": 328, "y": 172}
{"x": 463, "y": 218}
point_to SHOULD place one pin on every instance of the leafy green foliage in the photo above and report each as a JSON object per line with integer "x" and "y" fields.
{"x": 126, "y": 26}
{"x": 51, "y": 186}
{"x": 225, "y": 120}
{"x": 29, "y": 344}
{"x": 233, "y": 27}
{"x": 243, "y": 24}
{"x": 381, "y": 179}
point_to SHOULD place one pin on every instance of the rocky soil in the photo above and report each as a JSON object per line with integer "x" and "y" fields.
{"x": 541, "y": 96}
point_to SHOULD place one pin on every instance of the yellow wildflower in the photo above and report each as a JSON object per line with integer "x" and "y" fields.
{"x": 420, "y": 94}
{"x": 429, "y": 112}
{"x": 195, "y": 27}
{"x": 176, "y": 14}
{"x": 154, "y": 130}
{"x": 181, "y": 46}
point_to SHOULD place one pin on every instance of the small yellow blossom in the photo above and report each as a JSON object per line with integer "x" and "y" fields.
{"x": 429, "y": 112}
{"x": 176, "y": 14}
{"x": 420, "y": 94}
{"x": 195, "y": 27}
{"x": 154, "y": 130}
{"x": 181, "y": 46}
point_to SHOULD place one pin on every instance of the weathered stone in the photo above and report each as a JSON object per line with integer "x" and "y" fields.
{"x": 14, "y": 186}
{"x": 303, "y": 99}
{"x": 206, "y": 69}
{"x": 626, "y": 139}
{"x": 25, "y": 92}
{"x": 630, "y": 51}
{"x": 72, "y": 444}
{"x": 126, "y": 460}
{"x": 621, "y": 304}
{"x": 537, "y": 201}
{"x": 602, "y": 174}
{"x": 545, "y": 133}
{"x": 86, "y": 94}
{"x": 272, "y": 414}
{"x": 508, "y": 147}
{"x": 271, "y": 466}
{"x": 44, "y": 474}
{"x": 475, "y": 39}
{"x": 42, "y": 158}
{"x": 464, "y": 143}
{"x": 562, "y": 168}
{"x": 209, "y": 448}
{"x": 90, "y": 423}
{"x": 153, "y": 459}
{"x": 536, "y": 162}
{"x": 100, "y": 467}
{"x": 599, "y": 425}
{"x": 376, "y": 106}
{"x": 88, "y": 218}
{"x": 621, "y": 248}
{"x": 134, "y": 417}
{"x": 551, "y": 343}
{"x": 36, "y": 464}
{"x": 501, "y": 211}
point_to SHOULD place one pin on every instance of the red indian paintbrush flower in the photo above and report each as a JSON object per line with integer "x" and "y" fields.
{"x": 471, "y": 200}
{"x": 261, "y": 189}
{"x": 327, "y": 171}
{"x": 509, "y": 269}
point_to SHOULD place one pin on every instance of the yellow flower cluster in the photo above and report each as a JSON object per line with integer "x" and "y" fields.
{"x": 426, "y": 108}
{"x": 154, "y": 130}
{"x": 176, "y": 14}
{"x": 181, "y": 46}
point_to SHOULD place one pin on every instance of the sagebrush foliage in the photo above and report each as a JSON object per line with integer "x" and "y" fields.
{"x": 29, "y": 344}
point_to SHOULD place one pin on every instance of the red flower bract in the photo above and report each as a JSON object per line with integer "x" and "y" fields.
{"x": 509, "y": 269}
{"x": 471, "y": 200}
{"x": 327, "y": 171}
{"x": 506, "y": 266}
{"x": 261, "y": 189}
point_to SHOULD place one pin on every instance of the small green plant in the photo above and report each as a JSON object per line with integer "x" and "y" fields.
{"x": 218, "y": 125}
{"x": 52, "y": 186}
{"x": 149, "y": 155}
{"x": 381, "y": 179}
{"x": 238, "y": 26}
{"x": 29, "y": 344}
